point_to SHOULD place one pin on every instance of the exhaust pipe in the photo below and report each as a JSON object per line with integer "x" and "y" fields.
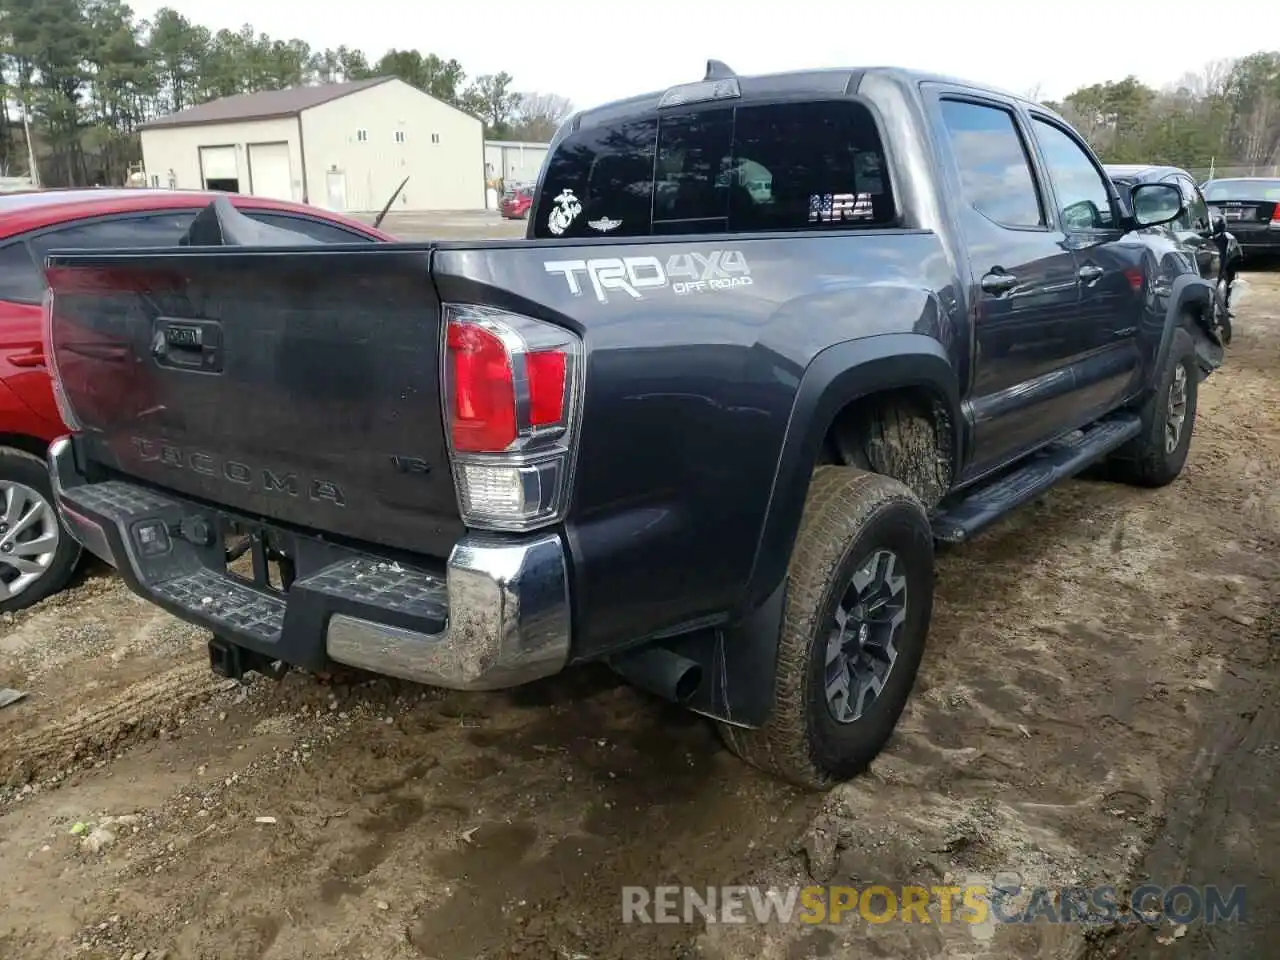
{"x": 660, "y": 671}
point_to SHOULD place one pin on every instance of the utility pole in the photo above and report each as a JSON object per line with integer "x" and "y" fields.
{"x": 32, "y": 170}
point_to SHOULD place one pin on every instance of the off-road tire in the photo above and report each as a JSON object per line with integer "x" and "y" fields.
{"x": 847, "y": 514}
{"x": 1222, "y": 306}
{"x": 17, "y": 466}
{"x": 1144, "y": 461}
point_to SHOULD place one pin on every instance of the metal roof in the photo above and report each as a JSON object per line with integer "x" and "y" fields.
{"x": 262, "y": 106}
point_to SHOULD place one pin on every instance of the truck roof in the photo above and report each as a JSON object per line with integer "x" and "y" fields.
{"x": 823, "y": 82}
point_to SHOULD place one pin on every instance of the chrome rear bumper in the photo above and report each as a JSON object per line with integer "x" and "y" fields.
{"x": 497, "y": 614}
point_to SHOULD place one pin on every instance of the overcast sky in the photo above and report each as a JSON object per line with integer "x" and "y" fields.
{"x": 592, "y": 51}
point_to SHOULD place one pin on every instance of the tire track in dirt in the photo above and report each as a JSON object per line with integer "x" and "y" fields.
{"x": 135, "y": 712}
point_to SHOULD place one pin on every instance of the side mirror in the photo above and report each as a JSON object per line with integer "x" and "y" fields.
{"x": 1154, "y": 204}
{"x": 1081, "y": 215}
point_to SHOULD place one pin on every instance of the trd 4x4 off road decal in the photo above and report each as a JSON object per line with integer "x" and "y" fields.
{"x": 684, "y": 273}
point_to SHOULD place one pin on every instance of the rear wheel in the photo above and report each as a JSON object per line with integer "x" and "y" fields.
{"x": 37, "y": 555}
{"x": 859, "y": 602}
{"x": 1157, "y": 455}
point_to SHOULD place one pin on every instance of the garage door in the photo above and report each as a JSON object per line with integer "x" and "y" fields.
{"x": 270, "y": 173}
{"x": 218, "y": 164}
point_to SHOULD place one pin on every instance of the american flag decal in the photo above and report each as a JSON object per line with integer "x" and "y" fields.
{"x": 820, "y": 206}
{"x": 840, "y": 207}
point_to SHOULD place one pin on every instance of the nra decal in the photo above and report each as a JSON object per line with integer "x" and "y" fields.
{"x": 839, "y": 207}
{"x": 682, "y": 273}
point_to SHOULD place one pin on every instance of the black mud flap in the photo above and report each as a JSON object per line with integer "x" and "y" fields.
{"x": 1210, "y": 345}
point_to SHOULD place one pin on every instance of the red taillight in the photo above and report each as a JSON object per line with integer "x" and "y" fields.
{"x": 511, "y": 394}
{"x": 484, "y": 393}
{"x": 1275, "y": 213}
{"x": 482, "y": 386}
{"x": 546, "y": 370}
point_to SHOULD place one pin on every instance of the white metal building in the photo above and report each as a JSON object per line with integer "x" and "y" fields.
{"x": 344, "y": 146}
{"x": 513, "y": 161}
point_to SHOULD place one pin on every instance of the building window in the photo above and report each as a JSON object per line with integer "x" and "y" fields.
{"x": 362, "y": 135}
{"x": 399, "y": 136}
{"x": 435, "y": 138}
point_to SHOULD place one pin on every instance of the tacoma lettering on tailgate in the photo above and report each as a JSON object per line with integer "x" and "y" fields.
{"x": 264, "y": 479}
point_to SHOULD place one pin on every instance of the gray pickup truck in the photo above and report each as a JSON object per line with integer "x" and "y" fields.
{"x": 770, "y": 339}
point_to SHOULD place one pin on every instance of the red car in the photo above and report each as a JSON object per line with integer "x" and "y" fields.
{"x": 516, "y": 202}
{"x": 37, "y": 557}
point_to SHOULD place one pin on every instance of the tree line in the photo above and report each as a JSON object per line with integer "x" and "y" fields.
{"x": 81, "y": 75}
{"x": 1224, "y": 117}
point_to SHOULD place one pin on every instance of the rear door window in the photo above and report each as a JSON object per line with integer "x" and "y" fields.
{"x": 1196, "y": 207}
{"x": 154, "y": 230}
{"x": 996, "y": 178}
{"x": 315, "y": 229}
{"x": 20, "y": 279}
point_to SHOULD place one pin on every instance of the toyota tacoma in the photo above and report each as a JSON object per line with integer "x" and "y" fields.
{"x": 769, "y": 340}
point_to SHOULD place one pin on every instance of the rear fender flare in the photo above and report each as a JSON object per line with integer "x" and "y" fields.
{"x": 837, "y": 376}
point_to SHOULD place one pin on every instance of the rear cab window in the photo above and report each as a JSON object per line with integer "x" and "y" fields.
{"x": 810, "y": 165}
{"x": 1227, "y": 191}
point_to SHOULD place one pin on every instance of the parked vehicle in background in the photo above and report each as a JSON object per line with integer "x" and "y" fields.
{"x": 708, "y": 433}
{"x": 1251, "y": 208}
{"x": 1200, "y": 231}
{"x": 516, "y": 201}
{"x": 36, "y": 557}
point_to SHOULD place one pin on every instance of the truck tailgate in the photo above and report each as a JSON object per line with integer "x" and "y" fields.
{"x": 299, "y": 386}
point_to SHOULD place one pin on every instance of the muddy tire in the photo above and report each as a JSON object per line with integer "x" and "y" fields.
{"x": 858, "y": 605}
{"x": 1222, "y": 307}
{"x": 1156, "y": 456}
{"x": 38, "y": 556}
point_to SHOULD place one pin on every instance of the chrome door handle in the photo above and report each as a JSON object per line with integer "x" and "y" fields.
{"x": 998, "y": 283}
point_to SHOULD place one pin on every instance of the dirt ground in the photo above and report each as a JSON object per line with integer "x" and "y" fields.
{"x": 1077, "y": 721}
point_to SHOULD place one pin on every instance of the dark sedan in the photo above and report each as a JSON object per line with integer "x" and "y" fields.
{"x": 1251, "y": 208}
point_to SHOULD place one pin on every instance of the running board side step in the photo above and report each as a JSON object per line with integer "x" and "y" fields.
{"x": 985, "y": 504}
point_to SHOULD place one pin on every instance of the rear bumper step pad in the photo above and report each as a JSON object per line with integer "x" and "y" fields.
{"x": 497, "y": 614}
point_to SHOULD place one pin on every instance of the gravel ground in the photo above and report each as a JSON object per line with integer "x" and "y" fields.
{"x": 1082, "y": 657}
